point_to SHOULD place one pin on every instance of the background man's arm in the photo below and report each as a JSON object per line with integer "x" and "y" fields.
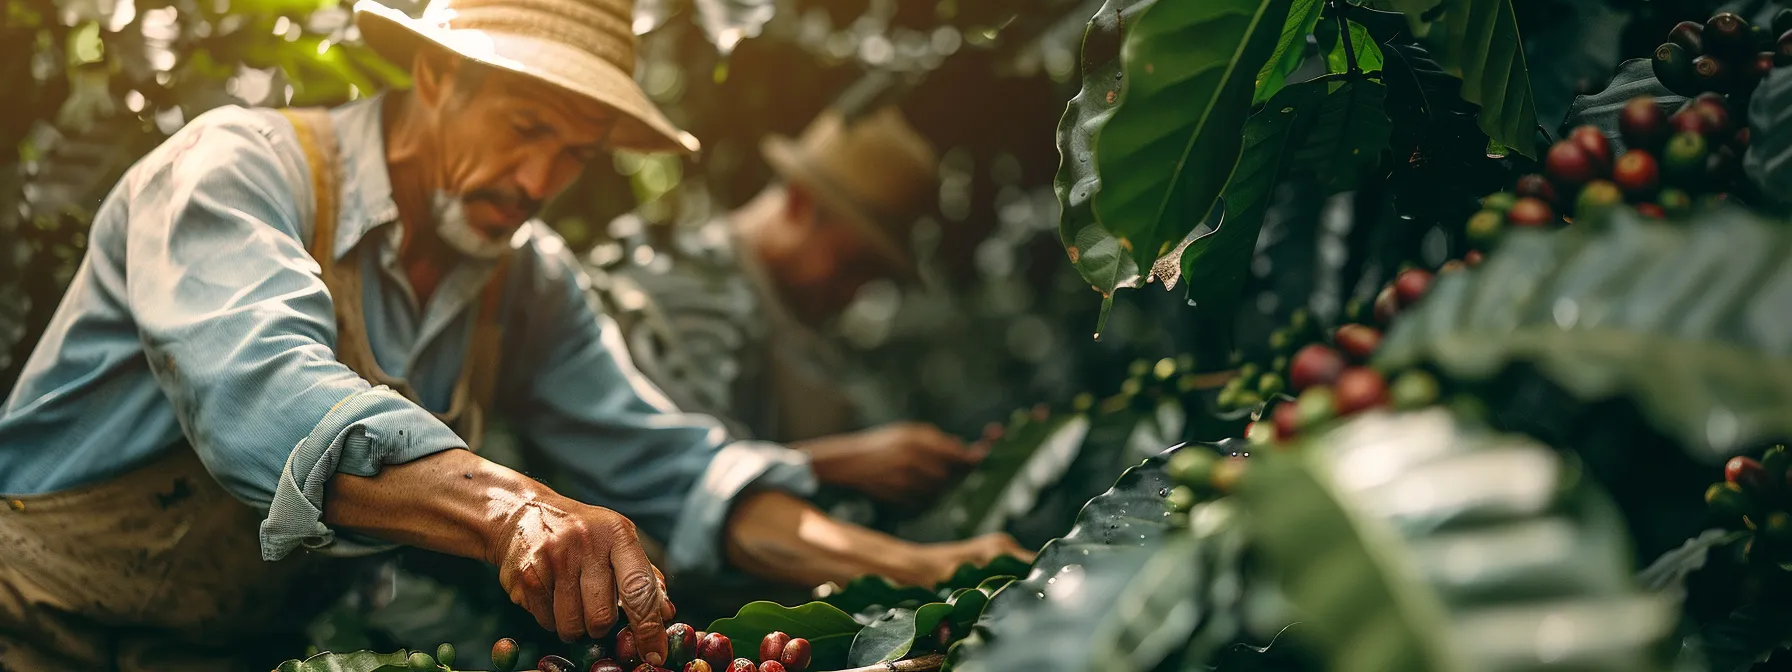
{"x": 678, "y": 475}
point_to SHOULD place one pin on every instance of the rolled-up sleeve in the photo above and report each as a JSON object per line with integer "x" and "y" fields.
{"x": 239, "y": 329}
{"x": 622, "y": 444}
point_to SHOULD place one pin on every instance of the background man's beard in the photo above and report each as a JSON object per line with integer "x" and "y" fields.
{"x": 451, "y": 225}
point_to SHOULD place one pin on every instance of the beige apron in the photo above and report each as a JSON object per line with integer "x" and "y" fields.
{"x": 160, "y": 568}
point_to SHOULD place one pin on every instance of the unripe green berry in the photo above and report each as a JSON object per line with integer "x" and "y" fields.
{"x": 1314, "y": 407}
{"x": 1269, "y": 385}
{"x": 504, "y": 653}
{"x": 1192, "y": 466}
{"x": 445, "y": 654}
{"x": 1181, "y": 498}
{"x": 421, "y": 662}
{"x": 1414, "y": 389}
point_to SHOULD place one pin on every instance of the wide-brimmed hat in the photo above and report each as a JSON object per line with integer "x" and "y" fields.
{"x": 586, "y": 47}
{"x": 876, "y": 172}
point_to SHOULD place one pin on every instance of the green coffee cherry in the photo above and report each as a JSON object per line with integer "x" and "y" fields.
{"x": 1181, "y": 498}
{"x": 1249, "y": 371}
{"x": 445, "y": 654}
{"x": 1413, "y": 389}
{"x": 1727, "y": 501}
{"x": 1191, "y": 466}
{"x": 1269, "y": 385}
{"x": 1500, "y": 201}
{"x": 1314, "y": 406}
{"x": 1777, "y": 529}
{"x": 421, "y": 662}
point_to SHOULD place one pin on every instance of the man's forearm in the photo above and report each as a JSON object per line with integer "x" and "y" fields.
{"x": 777, "y": 536}
{"x": 448, "y": 502}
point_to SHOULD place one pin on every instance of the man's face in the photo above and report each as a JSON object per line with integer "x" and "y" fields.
{"x": 511, "y": 143}
{"x": 838, "y": 262}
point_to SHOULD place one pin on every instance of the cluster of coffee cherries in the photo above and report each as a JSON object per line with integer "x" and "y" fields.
{"x": 1667, "y": 161}
{"x": 1725, "y": 54}
{"x": 691, "y": 650}
{"x": 420, "y": 661}
{"x": 1757, "y": 494}
{"x": 1260, "y": 381}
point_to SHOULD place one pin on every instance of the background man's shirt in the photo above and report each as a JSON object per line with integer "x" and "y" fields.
{"x": 198, "y": 316}
{"x": 705, "y": 323}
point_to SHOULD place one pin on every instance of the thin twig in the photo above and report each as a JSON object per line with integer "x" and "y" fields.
{"x": 927, "y": 663}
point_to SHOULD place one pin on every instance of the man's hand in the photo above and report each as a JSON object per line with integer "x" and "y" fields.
{"x": 568, "y": 563}
{"x": 896, "y": 463}
{"x": 777, "y": 536}
{"x": 940, "y": 561}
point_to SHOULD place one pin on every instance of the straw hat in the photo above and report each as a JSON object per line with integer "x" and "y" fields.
{"x": 586, "y": 47}
{"x": 876, "y": 171}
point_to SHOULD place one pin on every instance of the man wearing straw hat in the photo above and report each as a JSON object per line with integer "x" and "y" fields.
{"x": 288, "y": 331}
{"x": 725, "y": 318}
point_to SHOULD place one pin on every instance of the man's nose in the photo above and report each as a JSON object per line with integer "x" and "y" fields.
{"x": 535, "y": 175}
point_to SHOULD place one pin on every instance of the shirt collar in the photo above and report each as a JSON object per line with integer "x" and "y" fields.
{"x": 366, "y": 187}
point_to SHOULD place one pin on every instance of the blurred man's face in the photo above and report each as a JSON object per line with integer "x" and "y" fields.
{"x": 838, "y": 260}
{"x": 507, "y": 145}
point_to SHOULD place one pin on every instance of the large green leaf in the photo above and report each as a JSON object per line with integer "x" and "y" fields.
{"x": 872, "y": 593}
{"x": 1408, "y": 542}
{"x": 357, "y": 661}
{"x": 829, "y": 630}
{"x": 972, "y": 576}
{"x": 1030, "y": 456}
{"x": 1768, "y": 162}
{"x": 1307, "y": 126}
{"x": 1291, "y": 49}
{"x": 1669, "y": 572}
{"x": 1368, "y": 53}
{"x": 1737, "y": 642}
{"x": 1149, "y": 141}
{"x": 1635, "y": 77}
{"x": 891, "y": 636}
{"x": 1478, "y": 41}
{"x": 1687, "y": 321}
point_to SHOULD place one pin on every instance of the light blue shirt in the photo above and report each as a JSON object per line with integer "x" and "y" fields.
{"x": 199, "y": 316}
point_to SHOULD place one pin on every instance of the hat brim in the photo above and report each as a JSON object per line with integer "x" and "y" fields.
{"x": 785, "y": 157}
{"x": 642, "y": 126}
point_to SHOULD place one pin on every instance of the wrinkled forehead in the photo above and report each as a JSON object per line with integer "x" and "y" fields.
{"x": 577, "y": 117}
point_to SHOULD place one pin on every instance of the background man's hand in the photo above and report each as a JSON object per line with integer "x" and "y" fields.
{"x": 570, "y": 563}
{"x": 939, "y": 561}
{"x": 898, "y": 463}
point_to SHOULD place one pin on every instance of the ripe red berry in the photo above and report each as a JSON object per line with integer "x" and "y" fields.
{"x": 1473, "y": 257}
{"x": 1315, "y": 364}
{"x": 771, "y": 666}
{"x": 742, "y": 665}
{"x": 772, "y": 646}
{"x": 1410, "y": 285}
{"x": 1359, "y": 388}
{"x": 1569, "y": 166}
{"x": 625, "y": 648}
{"x": 1386, "y": 305}
{"x": 646, "y": 667}
{"x": 1637, "y": 174}
{"x": 1598, "y": 148}
{"x": 605, "y": 665}
{"x": 1726, "y": 34}
{"x": 1762, "y": 66}
{"x": 1740, "y": 142}
{"x": 1530, "y": 212}
{"x": 1536, "y": 186}
{"x": 715, "y": 648}
{"x": 552, "y": 663}
{"x": 796, "y": 655}
{"x": 1690, "y": 36}
{"x": 1716, "y": 116}
{"x": 1651, "y": 210}
{"x": 1357, "y": 340}
{"x": 698, "y": 665}
{"x": 1643, "y": 124}
{"x": 1287, "y": 419}
{"x": 1746, "y": 472}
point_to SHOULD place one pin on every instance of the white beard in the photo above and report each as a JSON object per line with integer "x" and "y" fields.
{"x": 451, "y": 224}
